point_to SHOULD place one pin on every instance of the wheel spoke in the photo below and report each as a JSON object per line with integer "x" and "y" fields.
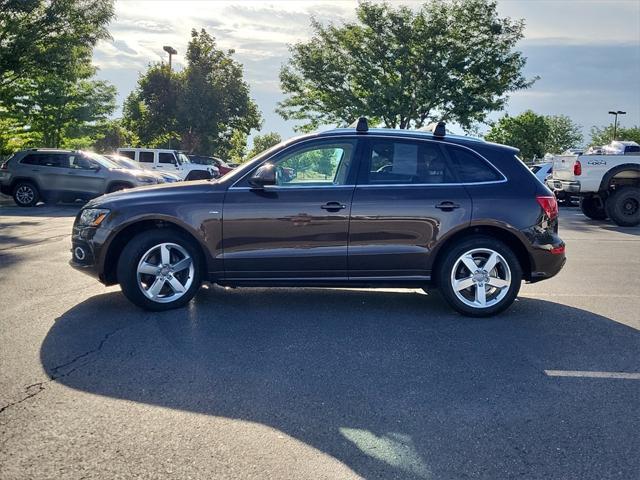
{"x": 176, "y": 285}
{"x": 463, "y": 283}
{"x": 491, "y": 262}
{"x": 148, "y": 269}
{"x": 165, "y": 255}
{"x": 497, "y": 282}
{"x": 469, "y": 263}
{"x": 481, "y": 295}
{"x": 182, "y": 264}
{"x": 155, "y": 288}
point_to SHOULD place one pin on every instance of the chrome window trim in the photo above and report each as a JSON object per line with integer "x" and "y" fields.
{"x": 383, "y": 137}
{"x": 280, "y": 187}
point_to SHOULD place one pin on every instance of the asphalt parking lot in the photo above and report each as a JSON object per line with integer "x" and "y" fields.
{"x": 317, "y": 383}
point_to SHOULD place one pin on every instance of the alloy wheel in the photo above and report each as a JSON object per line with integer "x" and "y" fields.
{"x": 25, "y": 194}
{"x": 165, "y": 272}
{"x": 481, "y": 278}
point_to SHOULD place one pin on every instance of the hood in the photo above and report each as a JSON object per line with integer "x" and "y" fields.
{"x": 155, "y": 193}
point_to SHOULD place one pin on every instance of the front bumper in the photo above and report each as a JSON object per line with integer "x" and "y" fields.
{"x": 85, "y": 252}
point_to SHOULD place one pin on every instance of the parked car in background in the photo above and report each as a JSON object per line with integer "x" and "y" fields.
{"x": 458, "y": 213}
{"x": 173, "y": 161}
{"x": 608, "y": 184}
{"x": 223, "y": 167}
{"x": 51, "y": 175}
{"x": 542, "y": 170}
{"x": 126, "y": 162}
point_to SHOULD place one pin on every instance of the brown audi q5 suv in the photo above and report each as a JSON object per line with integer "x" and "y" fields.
{"x": 353, "y": 207}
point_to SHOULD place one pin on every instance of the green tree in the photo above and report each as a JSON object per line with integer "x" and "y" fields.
{"x": 151, "y": 110}
{"x": 604, "y": 135}
{"x": 563, "y": 134}
{"x": 111, "y": 135}
{"x": 448, "y": 60}
{"x": 263, "y": 142}
{"x": 200, "y": 109}
{"x": 39, "y": 36}
{"x": 527, "y": 131}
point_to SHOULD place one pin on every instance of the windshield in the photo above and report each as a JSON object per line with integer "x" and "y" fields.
{"x": 101, "y": 160}
{"x": 125, "y": 162}
{"x": 182, "y": 158}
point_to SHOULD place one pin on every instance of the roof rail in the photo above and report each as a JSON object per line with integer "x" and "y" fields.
{"x": 361, "y": 125}
{"x": 438, "y": 129}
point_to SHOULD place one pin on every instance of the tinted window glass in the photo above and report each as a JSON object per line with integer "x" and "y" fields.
{"x": 146, "y": 157}
{"x": 470, "y": 168}
{"x": 78, "y": 161}
{"x": 60, "y": 160}
{"x": 407, "y": 162}
{"x": 326, "y": 164}
{"x": 31, "y": 160}
{"x": 128, "y": 153}
{"x": 167, "y": 158}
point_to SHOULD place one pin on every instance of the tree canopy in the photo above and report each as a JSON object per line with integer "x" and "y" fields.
{"x": 263, "y": 142}
{"x": 451, "y": 61}
{"x": 204, "y": 108}
{"x": 604, "y": 135}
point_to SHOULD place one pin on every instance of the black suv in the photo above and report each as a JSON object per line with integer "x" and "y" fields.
{"x": 342, "y": 208}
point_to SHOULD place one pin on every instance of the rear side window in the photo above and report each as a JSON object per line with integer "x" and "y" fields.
{"x": 166, "y": 158}
{"x": 128, "y": 153}
{"x": 393, "y": 162}
{"x": 60, "y": 160}
{"x": 31, "y": 160}
{"x": 146, "y": 157}
{"x": 471, "y": 168}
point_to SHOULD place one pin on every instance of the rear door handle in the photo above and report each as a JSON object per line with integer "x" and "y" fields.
{"x": 333, "y": 206}
{"x": 447, "y": 206}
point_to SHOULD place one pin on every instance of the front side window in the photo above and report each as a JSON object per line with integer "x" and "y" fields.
{"x": 318, "y": 165}
{"x": 395, "y": 162}
{"x": 470, "y": 168}
{"x": 166, "y": 158}
{"x": 59, "y": 160}
{"x": 146, "y": 157}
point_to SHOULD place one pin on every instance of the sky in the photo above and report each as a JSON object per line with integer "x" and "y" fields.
{"x": 586, "y": 52}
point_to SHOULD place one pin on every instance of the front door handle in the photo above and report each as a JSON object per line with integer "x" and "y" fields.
{"x": 333, "y": 206}
{"x": 447, "y": 206}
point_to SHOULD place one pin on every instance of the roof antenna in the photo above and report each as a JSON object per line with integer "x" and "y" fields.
{"x": 361, "y": 125}
{"x": 438, "y": 129}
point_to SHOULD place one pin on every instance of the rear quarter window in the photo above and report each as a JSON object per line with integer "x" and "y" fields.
{"x": 471, "y": 168}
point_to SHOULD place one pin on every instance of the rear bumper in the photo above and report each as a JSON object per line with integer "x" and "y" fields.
{"x": 566, "y": 186}
{"x": 547, "y": 257}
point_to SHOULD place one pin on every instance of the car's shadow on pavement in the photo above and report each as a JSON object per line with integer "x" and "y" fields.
{"x": 393, "y": 384}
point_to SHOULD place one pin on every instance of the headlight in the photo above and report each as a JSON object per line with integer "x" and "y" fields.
{"x": 92, "y": 217}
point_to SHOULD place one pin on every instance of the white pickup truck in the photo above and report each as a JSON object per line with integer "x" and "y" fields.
{"x": 607, "y": 183}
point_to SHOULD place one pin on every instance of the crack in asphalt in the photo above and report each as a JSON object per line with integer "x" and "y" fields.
{"x": 38, "y": 387}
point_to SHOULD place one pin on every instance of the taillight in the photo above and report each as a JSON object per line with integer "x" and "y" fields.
{"x": 577, "y": 168}
{"x": 549, "y": 205}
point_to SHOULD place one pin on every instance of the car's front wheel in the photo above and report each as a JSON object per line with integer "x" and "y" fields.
{"x": 480, "y": 276}
{"x": 160, "y": 270}
{"x": 26, "y": 194}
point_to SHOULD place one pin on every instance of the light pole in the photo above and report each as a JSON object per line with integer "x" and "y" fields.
{"x": 170, "y": 51}
{"x": 615, "y": 121}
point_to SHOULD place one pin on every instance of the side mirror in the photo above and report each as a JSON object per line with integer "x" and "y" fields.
{"x": 263, "y": 176}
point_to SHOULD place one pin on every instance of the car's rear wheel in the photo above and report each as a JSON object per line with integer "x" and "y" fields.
{"x": 480, "y": 276}
{"x": 623, "y": 206}
{"x": 593, "y": 208}
{"x": 160, "y": 270}
{"x": 26, "y": 194}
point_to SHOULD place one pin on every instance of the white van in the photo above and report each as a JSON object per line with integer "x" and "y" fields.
{"x": 171, "y": 161}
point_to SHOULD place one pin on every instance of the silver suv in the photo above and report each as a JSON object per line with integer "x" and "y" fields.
{"x": 51, "y": 175}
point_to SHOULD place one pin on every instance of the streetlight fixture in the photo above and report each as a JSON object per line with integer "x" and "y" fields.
{"x": 170, "y": 51}
{"x": 615, "y": 120}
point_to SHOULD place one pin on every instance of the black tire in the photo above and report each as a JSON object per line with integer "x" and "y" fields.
{"x": 26, "y": 194}
{"x": 450, "y": 261}
{"x": 131, "y": 256}
{"x": 593, "y": 208}
{"x": 623, "y": 207}
{"x": 116, "y": 187}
